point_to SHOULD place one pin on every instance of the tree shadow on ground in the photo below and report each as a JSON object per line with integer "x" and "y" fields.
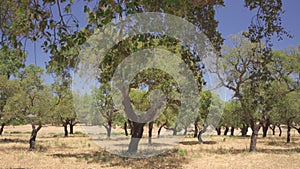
{"x": 168, "y": 160}
{"x": 15, "y": 140}
{"x": 279, "y": 151}
{"x": 196, "y": 142}
{"x": 222, "y": 151}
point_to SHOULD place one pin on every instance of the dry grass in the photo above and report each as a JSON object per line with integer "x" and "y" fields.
{"x": 78, "y": 151}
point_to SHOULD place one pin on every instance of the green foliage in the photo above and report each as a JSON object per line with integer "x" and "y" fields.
{"x": 11, "y": 61}
{"x": 233, "y": 115}
{"x": 8, "y": 89}
{"x": 32, "y": 101}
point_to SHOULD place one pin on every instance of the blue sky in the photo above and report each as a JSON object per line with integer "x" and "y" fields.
{"x": 233, "y": 18}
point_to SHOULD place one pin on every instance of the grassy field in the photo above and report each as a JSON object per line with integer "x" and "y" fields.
{"x": 79, "y": 151}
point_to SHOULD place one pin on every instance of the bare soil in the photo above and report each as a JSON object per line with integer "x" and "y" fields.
{"x": 80, "y": 151}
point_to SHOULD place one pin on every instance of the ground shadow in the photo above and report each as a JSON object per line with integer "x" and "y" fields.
{"x": 169, "y": 159}
{"x": 15, "y": 140}
{"x": 222, "y": 151}
{"x": 196, "y": 142}
{"x": 279, "y": 151}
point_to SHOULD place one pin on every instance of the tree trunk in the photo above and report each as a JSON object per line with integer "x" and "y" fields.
{"x": 226, "y": 131}
{"x": 196, "y": 128}
{"x": 72, "y": 124}
{"x": 33, "y": 135}
{"x": 175, "y": 130}
{"x": 2, "y": 128}
{"x": 218, "y": 131}
{"x": 200, "y": 134}
{"x": 185, "y": 131}
{"x": 273, "y": 129}
{"x": 232, "y": 131}
{"x": 280, "y": 131}
{"x": 71, "y": 128}
{"x": 66, "y": 129}
{"x": 131, "y": 127}
{"x": 65, "y": 125}
{"x": 288, "y": 138}
{"x": 244, "y": 130}
{"x": 255, "y": 128}
{"x": 150, "y": 132}
{"x": 108, "y": 129}
{"x": 125, "y": 128}
{"x": 298, "y": 129}
{"x": 137, "y": 133}
{"x": 266, "y": 125}
{"x": 159, "y": 130}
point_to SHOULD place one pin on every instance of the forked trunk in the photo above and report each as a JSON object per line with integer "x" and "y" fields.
{"x": 273, "y": 129}
{"x": 137, "y": 133}
{"x": 150, "y": 132}
{"x": 34, "y": 133}
{"x": 72, "y": 124}
{"x": 65, "y": 125}
{"x": 218, "y": 131}
{"x": 2, "y": 128}
{"x": 108, "y": 130}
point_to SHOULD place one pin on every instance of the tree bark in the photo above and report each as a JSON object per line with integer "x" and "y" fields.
{"x": 72, "y": 124}
{"x": 218, "y": 131}
{"x": 66, "y": 129}
{"x": 131, "y": 126}
{"x": 288, "y": 138}
{"x": 65, "y": 125}
{"x": 232, "y": 131}
{"x": 175, "y": 130}
{"x": 280, "y": 131}
{"x": 71, "y": 129}
{"x": 2, "y": 128}
{"x": 33, "y": 135}
{"x": 196, "y": 128}
{"x": 244, "y": 130}
{"x": 137, "y": 133}
{"x": 201, "y": 132}
{"x": 150, "y": 132}
{"x": 298, "y": 129}
{"x": 265, "y": 126}
{"x": 108, "y": 129}
{"x": 185, "y": 131}
{"x": 125, "y": 128}
{"x": 255, "y": 128}
{"x": 159, "y": 130}
{"x": 226, "y": 131}
{"x": 273, "y": 129}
